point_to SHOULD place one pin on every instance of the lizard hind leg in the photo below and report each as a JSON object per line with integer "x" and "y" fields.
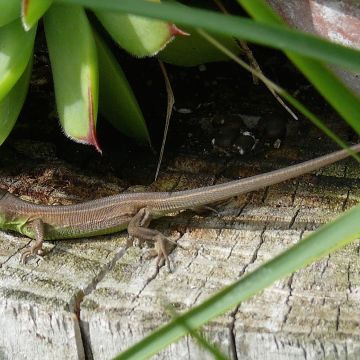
{"x": 138, "y": 228}
{"x": 36, "y": 248}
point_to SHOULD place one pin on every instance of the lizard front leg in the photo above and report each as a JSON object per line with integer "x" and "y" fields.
{"x": 36, "y": 248}
{"x": 138, "y": 228}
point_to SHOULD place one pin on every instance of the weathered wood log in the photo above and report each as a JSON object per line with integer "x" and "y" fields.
{"x": 92, "y": 298}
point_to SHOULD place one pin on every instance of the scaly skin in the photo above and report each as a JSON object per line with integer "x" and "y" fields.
{"x": 135, "y": 211}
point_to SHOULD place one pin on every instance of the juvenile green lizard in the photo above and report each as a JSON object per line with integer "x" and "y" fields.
{"x": 133, "y": 211}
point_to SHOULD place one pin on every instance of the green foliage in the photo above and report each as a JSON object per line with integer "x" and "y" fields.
{"x": 16, "y": 47}
{"x": 74, "y": 63}
{"x": 9, "y": 11}
{"x": 142, "y": 36}
{"x": 11, "y": 104}
{"x": 74, "y": 66}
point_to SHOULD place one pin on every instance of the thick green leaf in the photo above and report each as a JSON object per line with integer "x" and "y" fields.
{"x": 327, "y": 239}
{"x": 9, "y": 11}
{"x": 138, "y": 35}
{"x": 117, "y": 102}
{"x": 11, "y": 104}
{"x": 194, "y": 49}
{"x": 73, "y": 58}
{"x": 15, "y": 50}
{"x": 32, "y": 11}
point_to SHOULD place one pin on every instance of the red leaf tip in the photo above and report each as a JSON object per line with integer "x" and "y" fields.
{"x": 175, "y": 31}
{"x": 91, "y": 137}
{"x": 25, "y": 7}
{"x": 92, "y": 140}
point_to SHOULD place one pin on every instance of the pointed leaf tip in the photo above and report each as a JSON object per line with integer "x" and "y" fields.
{"x": 175, "y": 31}
{"x": 74, "y": 66}
{"x": 92, "y": 138}
{"x": 25, "y": 7}
{"x": 32, "y": 11}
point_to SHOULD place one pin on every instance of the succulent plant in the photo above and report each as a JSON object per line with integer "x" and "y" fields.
{"x": 86, "y": 74}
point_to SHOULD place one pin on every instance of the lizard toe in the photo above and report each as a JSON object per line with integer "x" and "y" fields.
{"x": 33, "y": 251}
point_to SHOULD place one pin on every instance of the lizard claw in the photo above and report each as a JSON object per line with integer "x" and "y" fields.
{"x": 161, "y": 246}
{"x": 160, "y": 251}
{"x": 35, "y": 250}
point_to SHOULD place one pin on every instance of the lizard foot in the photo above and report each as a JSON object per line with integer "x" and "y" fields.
{"x": 35, "y": 250}
{"x": 160, "y": 251}
{"x": 138, "y": 228}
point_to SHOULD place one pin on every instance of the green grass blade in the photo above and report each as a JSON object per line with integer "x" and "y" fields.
{"x": 266, "y": 34}
{"x": 328, "y": 238}
{"x": 117, "y": 102}
{"x": 16, "y": 47}
{"x": 11, "y": 104}
{"x": 346, "y": 103}
{"x": 74, "y": 66}
{"x": 32, "y": 11}
{"x": 261, "y": 11}
{"x": 200, "y": 339}
{"x": 9, "y": 11}
{"x": 206, "y": 345}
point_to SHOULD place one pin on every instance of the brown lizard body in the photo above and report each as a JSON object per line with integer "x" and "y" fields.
{"x": 133, "y": 211}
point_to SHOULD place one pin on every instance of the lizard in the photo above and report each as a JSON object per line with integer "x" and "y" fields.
{"x": 133, "y": 211}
